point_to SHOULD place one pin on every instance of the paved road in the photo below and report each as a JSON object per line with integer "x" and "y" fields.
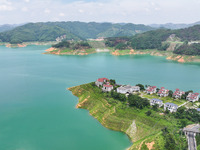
{"x": 191, "y": 141}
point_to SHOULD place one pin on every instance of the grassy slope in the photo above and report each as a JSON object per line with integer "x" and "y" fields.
{"x": 165, "y": 99}
{"x": 118, "y": 116}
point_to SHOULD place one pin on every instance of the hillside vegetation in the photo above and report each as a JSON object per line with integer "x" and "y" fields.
{"x": 161, "y": 39}
{"x": 73, "y": 30}
{"x": 145, "y": 126}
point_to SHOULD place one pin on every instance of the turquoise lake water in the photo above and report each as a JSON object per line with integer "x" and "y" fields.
{"x": 38, "y": 113}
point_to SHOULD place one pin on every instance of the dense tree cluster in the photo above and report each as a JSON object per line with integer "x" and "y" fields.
{"x": 73, "y": 45}
{"x": 185, "y": 49}
{"x": 118, "y": 42}
{"x": 173, "y": 139}
{"x": 137, "y": 101}
{"x": 141, "y": 87}
{"x": 118, "y": 96}
{"x": 190, "y": 114}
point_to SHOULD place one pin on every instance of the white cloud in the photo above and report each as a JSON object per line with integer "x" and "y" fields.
{"x": 135, "y": 11}
{"x": 6, "y": 5}
{"x": 24, "y": 9}
{"x": 47, "y": 11}
{"x": 61, "y": 14}
{"x": 6, "y": 8}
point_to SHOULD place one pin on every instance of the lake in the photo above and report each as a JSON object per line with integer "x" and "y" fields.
{"x": 38, "y": 113}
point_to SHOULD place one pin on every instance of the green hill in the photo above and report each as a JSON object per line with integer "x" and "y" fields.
{"x": 49, "y": 31}
{"x": 179, "y": 41}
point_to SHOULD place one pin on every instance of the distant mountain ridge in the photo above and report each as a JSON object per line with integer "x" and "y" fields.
{"x": 7, "y": 27}
{"x": 174, "y": 26}
{"x": 49, "y": 31}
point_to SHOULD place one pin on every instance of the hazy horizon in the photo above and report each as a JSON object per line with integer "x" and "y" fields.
{"x": 114, "y": 11}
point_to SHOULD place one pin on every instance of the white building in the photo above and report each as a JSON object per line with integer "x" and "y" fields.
{"x": 107, "y": 88}
{"x": 177, "y": 94}
{"x": 171, "y": 107}
{"x": 151, "y": 90}
{"x": 163, "y": 92}
{"x": 156, "y": 101}
{"x": 127, "y": 89}
{"x": 193, "y": 97}
{"x": 101, "y": 81}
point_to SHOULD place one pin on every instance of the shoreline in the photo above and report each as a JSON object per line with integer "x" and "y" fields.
{"x": 168, "y": 54}
{"x": 80, "y": 104}
{"x": 136, "y": 126}
{"x": 144, "y": 131}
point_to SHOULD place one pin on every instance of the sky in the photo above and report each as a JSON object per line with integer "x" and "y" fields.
{"x": 116, "y": 11}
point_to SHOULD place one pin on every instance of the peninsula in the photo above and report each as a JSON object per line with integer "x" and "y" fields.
{"x": 151, "y": 117}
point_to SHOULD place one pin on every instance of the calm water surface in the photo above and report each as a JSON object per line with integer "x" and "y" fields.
{"x": 37, "y": 113}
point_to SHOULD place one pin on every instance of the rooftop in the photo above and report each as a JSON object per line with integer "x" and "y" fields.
{"x": 172, "y": 104}
{"x": 158, "y": 100}
{"x": 102, "y": 79}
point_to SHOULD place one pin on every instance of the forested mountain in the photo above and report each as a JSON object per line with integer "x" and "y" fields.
{"x": 161, "y": 39}
{"x": 7, "y": 27}
{"x": 73, "y": 30}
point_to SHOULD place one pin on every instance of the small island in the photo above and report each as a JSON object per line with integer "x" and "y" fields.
{"x": 77, "y": 48}
{"x": 153, "y": 118}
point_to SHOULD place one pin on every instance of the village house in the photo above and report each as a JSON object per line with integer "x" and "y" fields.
{"x": 193, "y": 97}
{"x": 101, "y": 81}
{"x": 171, "y": 107}
{"x": 150, "y": 89}
{"x": 127, "y": 89}
{"x": 107, "y": 87}
{"x": 156, "y": 101}
{"x": 163, "y": 92}
{"x": 177, "y": 94}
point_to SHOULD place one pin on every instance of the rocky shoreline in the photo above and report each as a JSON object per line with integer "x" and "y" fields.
{"x": 167, "y": 54}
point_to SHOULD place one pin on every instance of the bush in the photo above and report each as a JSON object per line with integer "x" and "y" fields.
{"x": 155, "y": 107}
{"x": 148, "y": 113}
{"x": 141, "y": 87}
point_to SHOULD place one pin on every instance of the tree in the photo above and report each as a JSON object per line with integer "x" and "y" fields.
{"x": 148, "y": 113}
{"x": 190, "y": 91}
{"x": 122, "y": 97}
{"x": 183, "y": 96}
{"x": 183, "y": 123}
{"x": 155, "y": 107}
{"x": 15, "y": 41}
{"x": 121, "y": 46}
{"x": 166, "y": 111}
{"x": 170, "y": 93}
{"x": 112, "y": 82}
{"x": 137, "y": 101}
{"x": 141, "y": 87}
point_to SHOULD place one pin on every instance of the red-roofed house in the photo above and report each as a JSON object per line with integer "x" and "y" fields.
{"x": 177, "y": 94}
{"x": 193, "y": 97}
{"x": 101, "y": 81}
{"x": 163, "y": 92}
{"x": 107, "y": 87}
{"x": 150, "y": 89}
